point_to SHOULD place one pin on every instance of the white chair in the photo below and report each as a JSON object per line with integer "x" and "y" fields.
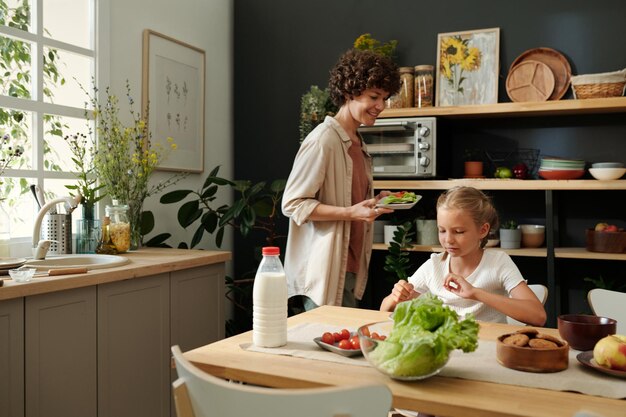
{"x": 198, "y": 394}
{"x": 541, "y": 291}
{"x": 607, "y": 303}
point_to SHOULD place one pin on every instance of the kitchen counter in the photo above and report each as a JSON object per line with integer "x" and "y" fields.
{"x": 143, "y": 263}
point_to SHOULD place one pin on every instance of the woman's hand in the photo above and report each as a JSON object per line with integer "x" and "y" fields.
{"x": 458, "y": 285}
{"x": 367, "y": 211}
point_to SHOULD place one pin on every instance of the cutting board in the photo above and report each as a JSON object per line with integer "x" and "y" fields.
{"x": 530, "y": 81}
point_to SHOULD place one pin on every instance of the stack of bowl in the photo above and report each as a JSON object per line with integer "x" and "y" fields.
{"x": 553, "y": 168}
{"x": 607, "y": 170}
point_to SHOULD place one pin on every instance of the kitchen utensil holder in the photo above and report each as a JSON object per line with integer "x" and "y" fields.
{"x": 58, "y": 229}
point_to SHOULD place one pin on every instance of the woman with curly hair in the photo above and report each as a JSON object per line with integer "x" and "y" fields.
{"x": 329, "y": 197}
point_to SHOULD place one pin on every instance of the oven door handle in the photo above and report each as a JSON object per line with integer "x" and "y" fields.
{"x": 389, "y": 126}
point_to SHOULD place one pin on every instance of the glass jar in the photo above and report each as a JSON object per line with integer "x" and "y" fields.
{"x": 406, "y": 86}
{"x": 119, "y": 228}
{"x": 424, "y": 86}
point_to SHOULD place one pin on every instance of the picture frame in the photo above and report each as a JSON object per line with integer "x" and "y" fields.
{"x": 173, "y": 96}
{"x": 468, "y": 64}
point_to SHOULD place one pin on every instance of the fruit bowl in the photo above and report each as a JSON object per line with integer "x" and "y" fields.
{"x": 417, "y": 366}
{"x": 606, "y": 241}
{"x": 582, "y": 331}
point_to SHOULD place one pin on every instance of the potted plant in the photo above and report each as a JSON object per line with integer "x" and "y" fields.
{"x": 397, "y": 259}
{"x": 474, "y": 163}
{"x": 510, "y": 235}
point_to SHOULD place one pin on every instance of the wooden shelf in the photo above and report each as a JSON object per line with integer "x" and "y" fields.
{"x": 499, "y": 184}
{"x": 565, "y": 253}
{"x": 582, "y": 253}
{"x": 543, "y": 108}
{"x": 532, "y": 252}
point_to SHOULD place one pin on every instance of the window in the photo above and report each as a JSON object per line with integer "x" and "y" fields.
{"x": 47, "y": 52}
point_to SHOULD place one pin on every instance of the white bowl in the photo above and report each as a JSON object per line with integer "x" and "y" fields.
{"x": 607, "y": 174}
{"x": 607, "y": 165}
{"x": 22, "y": 275}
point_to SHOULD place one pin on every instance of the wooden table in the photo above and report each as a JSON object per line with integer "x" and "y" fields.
{"x": 437, "y": 395}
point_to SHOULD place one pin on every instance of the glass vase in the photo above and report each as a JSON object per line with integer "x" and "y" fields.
{"x": 135, "y": 207}
{"x": 87, "y": 230}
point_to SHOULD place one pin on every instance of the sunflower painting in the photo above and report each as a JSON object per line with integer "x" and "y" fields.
{"x": 468, "y": 67}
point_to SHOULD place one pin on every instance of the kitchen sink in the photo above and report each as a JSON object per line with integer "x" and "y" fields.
{"x": 77, "y": 261}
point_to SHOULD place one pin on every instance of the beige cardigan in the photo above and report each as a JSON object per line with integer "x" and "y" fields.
{"x": 317, "y": 251}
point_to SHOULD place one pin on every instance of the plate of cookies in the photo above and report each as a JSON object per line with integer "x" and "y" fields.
{"x": 530, "y": 350}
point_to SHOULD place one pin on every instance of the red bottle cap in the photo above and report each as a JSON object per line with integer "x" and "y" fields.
{"x": 271, "y": 250}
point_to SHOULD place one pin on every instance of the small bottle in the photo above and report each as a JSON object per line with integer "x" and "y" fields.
{"x": 269, "y": 301}
{"x": 106, "y": 246}
{"x": 119, "y": 229}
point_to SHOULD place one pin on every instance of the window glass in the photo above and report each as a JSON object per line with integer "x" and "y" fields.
{"x": 68, "y": 21}
{"x": 15, "y": 13}
{"x": 58, "y": 155}
{"x": 65, "y": 78}
{"x": 15, "y": 67}
{"x": 17, "y": 124}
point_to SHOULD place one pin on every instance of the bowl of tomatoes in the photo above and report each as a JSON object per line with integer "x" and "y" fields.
{"x": 343, "y": 342}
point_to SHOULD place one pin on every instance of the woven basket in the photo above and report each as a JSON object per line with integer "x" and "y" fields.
{"x": 608, "y": 84}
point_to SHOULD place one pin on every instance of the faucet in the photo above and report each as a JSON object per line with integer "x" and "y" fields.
{"x": 40, "y": 247}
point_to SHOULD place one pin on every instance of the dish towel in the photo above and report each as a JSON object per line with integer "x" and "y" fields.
{"x": 480, "y": 365}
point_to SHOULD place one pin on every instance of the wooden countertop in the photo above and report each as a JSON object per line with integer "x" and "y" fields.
{"x": 143, "y": 262}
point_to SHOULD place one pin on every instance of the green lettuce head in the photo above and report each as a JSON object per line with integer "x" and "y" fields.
{"x": 423, "y": 335}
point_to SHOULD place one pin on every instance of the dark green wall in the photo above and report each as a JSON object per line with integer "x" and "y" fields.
{"x": 282, "y": 47}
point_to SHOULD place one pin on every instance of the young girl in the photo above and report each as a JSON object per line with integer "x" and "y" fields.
{"x": 467, "y": 278}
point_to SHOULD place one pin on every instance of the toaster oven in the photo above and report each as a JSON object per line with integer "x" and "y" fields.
{"x": 402, "y": 147}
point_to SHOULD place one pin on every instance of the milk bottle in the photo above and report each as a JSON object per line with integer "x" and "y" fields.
{"x": 269, "y": 301}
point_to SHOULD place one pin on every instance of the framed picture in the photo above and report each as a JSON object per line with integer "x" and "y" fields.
{"x": 173, "y": 94}
{"x": 468, "y": 67}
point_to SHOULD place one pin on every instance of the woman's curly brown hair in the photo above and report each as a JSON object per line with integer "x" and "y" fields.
{"x": 357, "y": 70}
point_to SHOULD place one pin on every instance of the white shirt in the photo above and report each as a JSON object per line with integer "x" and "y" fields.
{"x": 496, "y": 273}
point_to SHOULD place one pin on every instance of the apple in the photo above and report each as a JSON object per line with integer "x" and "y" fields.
{"x": 611, "y": 228}
{"x": 610, "y": 352}
{"x": 520, "y": 171}
{"x": 601, "y": 226}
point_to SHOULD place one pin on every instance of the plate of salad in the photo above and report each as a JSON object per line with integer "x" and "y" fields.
{"x": 400, "y": 200}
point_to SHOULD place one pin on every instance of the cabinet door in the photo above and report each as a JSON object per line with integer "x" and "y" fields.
{"x": 12, "y": 358}
{"x": 197, "y": 302}
{"x": 60, "y": 354}
{"x": 133, "y": 348}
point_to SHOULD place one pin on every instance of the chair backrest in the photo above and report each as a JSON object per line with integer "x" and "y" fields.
{"x": 541, "y": 291}
{"x": 607, "y": 303}
{"x": 198, "y": 394}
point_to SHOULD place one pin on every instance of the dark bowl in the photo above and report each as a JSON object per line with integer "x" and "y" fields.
{"x": 582, "y": 331}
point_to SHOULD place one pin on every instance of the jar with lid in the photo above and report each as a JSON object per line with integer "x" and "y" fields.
{"x": 406, "y": 86}
{"x": 424, "y": 86}
{"x": 119, "y": 228}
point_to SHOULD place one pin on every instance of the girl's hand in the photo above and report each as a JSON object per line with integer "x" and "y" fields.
{"x": 458, "y": 285}
{"x": 403, "y": 291}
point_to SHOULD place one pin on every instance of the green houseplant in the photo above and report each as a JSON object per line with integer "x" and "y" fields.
{"x": 397, "y": 260}
{"x": 255, "y": 214}
{"x": 510, "y": 235}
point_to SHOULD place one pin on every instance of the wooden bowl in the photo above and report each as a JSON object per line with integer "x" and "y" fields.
{"x": 531, "y": 359}
{"x": 582, "y": 331}
{"x": 607, "y": 242}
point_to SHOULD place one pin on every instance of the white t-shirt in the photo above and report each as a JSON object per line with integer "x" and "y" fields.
{"x": 496, "y": 273}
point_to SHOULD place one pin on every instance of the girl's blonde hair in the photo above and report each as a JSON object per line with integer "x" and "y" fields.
{"x": 475, "y": 203}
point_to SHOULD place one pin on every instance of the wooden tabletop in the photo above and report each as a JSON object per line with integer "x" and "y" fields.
{"x": 437, "y": 395}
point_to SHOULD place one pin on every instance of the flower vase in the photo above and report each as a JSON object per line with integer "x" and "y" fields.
{"x": 135, "y": 208}
{"x": 88, "y": 230}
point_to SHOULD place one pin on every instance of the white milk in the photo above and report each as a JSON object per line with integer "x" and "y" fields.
{"x": 269, "y": 299}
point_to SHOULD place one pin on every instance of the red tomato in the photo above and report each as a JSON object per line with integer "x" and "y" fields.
{"x": 337, "y": 337}
{"x": 345, "y": 334}
{"x": 327, "y": 337}
{"x": 344, "y": 344}
{"x": 365, "y": 331}
{"x": 354, "y": 341}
